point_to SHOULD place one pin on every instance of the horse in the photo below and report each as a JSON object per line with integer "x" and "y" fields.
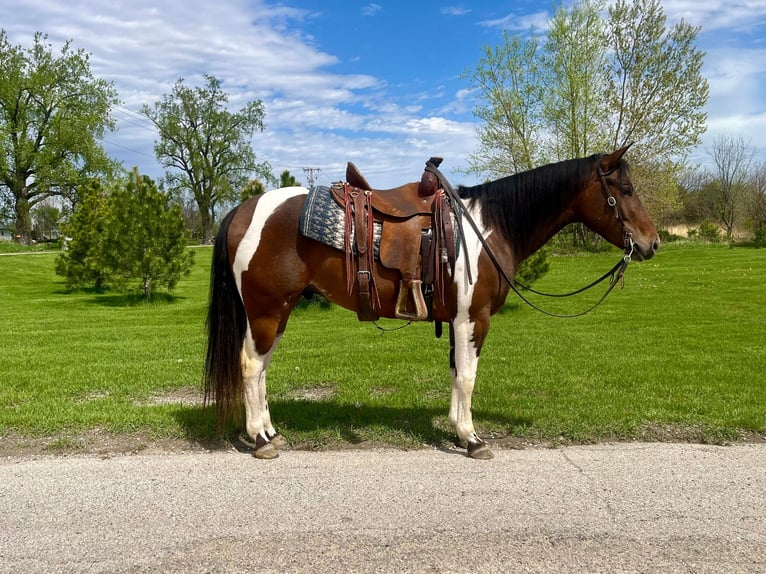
{"x": 262, "y": 266}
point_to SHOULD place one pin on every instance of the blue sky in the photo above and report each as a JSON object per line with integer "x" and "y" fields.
{"x": 374, "y": 82}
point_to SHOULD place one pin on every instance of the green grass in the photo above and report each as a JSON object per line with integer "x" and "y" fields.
{"x": 678, "y": 354}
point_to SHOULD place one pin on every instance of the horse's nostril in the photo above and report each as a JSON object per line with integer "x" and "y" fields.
{"x": 656, "y": 245}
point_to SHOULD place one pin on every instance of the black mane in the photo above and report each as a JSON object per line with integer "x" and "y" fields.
{"x": 515, "y": 205}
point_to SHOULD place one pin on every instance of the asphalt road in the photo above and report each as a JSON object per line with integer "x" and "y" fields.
{"x": 609, "y": 508}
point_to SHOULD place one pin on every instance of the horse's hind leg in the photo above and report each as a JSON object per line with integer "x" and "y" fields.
{"x": 258, "y": 419}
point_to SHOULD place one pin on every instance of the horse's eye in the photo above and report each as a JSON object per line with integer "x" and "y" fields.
{"x": 627, "y": 190}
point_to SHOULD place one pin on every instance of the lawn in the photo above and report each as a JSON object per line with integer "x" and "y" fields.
{"x": 678, "y": 354}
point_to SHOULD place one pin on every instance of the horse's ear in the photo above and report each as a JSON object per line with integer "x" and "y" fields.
{"x": 609, "y": 162}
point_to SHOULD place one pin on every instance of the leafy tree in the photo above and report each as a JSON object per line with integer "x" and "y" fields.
{"x": 508, "y": 76}
{"x": 45, "y": 219}
{"x": 206, "y": 145}
{"x": 132, "y": 235}
{"x": 52, "y": 114}
{"x": 656, "y": 87}
{"x": 574, "y": 59}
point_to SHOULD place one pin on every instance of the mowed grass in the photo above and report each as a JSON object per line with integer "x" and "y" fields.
{"x": 678, "y": 354}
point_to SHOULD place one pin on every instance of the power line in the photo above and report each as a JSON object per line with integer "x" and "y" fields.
{"x": 309, "y": 171}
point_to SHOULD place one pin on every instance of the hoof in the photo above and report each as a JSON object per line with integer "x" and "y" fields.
{"x": 278, "y": 441}
{"x": 266, "y": 452}
{"x": 480, "y": 451}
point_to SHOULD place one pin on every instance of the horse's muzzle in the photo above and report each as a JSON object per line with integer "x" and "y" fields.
{"x": 643, "y": 252}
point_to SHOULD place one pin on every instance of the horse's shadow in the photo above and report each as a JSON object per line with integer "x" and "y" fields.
{"x": 310, "y": 424}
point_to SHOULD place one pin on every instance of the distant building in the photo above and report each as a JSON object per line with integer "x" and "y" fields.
{"x": 5, "y": 231}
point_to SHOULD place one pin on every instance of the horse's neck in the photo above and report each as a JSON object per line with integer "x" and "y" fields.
{"x": 542, "y": 205}
{"x": 544, "y": 229}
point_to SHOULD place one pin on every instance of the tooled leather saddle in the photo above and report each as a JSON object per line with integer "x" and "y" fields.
{"x": 417, "y": 239}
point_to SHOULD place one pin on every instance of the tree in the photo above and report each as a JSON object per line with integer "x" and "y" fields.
{"x": 146, "y": 239}
{"x": 602, "y": 80}
{"x": 575, "y": 57}
{"x": 129, "y": 235}
{"x": 206, "y": 145}
{"x": 286, "y": 179}
{"x": 732, "y": 160}
{"x": 656, "y": 87}
{"x": 757, "y": 204}
{"x": 45, "y": 220}
{"x": 81, "y": 260}
{"x": 508, "y": 76}
{"x": 254, "y": 187}
{"x": 52, "y": 114}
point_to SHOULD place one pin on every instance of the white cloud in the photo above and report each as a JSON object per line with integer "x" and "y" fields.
{"x": 455, "y": 10}
{"x": 371, "y": 9}
{"x": 520, "y": 22}
{"x": 733, "y": 15}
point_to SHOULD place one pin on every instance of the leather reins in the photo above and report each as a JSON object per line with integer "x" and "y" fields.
{"x": 616, "y": 273}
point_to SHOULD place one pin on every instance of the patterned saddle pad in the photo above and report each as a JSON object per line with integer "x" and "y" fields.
{"x": 322, "y": 219}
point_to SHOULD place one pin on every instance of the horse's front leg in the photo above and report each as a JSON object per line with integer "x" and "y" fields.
{"x": 466, "y": 338}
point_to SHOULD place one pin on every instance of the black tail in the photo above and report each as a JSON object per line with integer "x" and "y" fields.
{"x": 226, "y": 327}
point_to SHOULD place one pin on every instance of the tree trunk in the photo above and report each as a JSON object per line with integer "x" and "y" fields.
{"x": 147, "y": 288}
{"x": 207, "y": 225}
{"x": 23, "y": 220}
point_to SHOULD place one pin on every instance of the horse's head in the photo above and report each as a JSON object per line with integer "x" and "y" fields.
{"x": 612, "y": 208}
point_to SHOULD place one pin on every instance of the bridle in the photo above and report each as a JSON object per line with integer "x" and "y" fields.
{"x": 612, "y": 202}
{"x": 615, "y": 274}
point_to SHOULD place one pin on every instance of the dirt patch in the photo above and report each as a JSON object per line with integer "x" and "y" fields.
{"x": 186, "y": 396}
{"x": 316, "y": 393}
{"x": 100, "y": 443}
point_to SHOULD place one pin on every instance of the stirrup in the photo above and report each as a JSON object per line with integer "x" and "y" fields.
{"x": 421, "y": 311}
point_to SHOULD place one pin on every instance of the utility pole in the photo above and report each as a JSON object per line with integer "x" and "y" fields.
{"x": 309, "y": 171}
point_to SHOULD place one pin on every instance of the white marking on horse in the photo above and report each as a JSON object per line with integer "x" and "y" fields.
{"x": 267, "y": 204}
{"x": 466, "y": 352}
{"x": 255, "y": 365}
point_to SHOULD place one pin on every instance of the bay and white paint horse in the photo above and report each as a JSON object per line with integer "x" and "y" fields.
{"x": 262, "y": 266}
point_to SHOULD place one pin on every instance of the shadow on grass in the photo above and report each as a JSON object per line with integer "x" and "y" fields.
{"x": 107, "y": 298}
{"x": 308, "y": 423}
{"x": 134, "y": 299}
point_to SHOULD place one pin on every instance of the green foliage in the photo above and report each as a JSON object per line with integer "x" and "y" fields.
{"x": 667, "y": 237}
{"x": 45, "y": 219}
{"x": 760, "y": 236}
{"x": 129, "y": 236}
{"x": 252, "y": 188}
{"x": 206, "y": 147}
{"x": 533, "y": 267}
{"x": 709, "y": 232}
{"x": 286, "y": 179}
{"x": 574, "y": 57}
{"x": 508, "y": 77}
{"x": 655, "y": 87}
{"x": 53, "y": 113}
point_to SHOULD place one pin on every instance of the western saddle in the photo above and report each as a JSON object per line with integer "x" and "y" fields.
{"x": 416, "y": 239}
